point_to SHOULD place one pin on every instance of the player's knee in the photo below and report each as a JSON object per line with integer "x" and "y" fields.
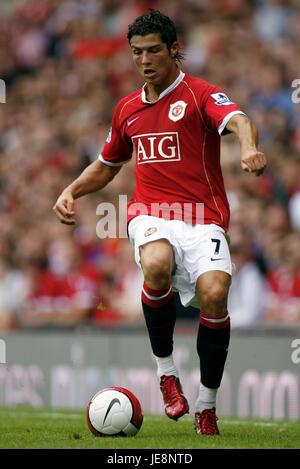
{"x": 156, "y": 261}
{"x": 214, "y": 299}
{"x": 157, "y": 271}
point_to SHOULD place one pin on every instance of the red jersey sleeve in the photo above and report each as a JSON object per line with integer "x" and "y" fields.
{"x": 218, "y": 109}
{"x": 118, "y": 147}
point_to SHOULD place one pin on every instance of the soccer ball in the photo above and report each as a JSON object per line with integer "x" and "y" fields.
{"x": 114, "y": 411}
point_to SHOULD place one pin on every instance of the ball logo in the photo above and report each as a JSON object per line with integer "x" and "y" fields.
{"x": 114, "y": 401}
{"x": 177, "y": 110}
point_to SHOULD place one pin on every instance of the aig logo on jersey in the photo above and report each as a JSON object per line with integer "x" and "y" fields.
{"x": 156, "y": 147}
{"x": 221, "y": 99}
{"x": 177, "y": 111}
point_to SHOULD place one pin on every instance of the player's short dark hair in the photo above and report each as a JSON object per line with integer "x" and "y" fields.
{"x": 155, "y": 22}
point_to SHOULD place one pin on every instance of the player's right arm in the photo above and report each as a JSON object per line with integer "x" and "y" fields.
{"x": 96, "y": 176}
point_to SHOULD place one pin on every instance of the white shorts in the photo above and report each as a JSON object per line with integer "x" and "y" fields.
{"x": 197, "y": 249}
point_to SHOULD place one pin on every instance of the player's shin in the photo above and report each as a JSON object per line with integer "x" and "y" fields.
{"x": 160, "y": 316}
{"x": 212, "y": 347}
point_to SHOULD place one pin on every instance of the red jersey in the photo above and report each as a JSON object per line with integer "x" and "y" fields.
{"x": 176, "y": 140}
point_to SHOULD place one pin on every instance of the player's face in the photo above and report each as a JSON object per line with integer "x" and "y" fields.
{"x": 154, "y": 60}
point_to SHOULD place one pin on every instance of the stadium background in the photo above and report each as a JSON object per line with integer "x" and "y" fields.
{"x": 65, "y": 65}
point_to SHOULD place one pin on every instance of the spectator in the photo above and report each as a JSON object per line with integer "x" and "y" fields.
{"x": 247, "y": 287}
{"x": 12, "y": 295}
{"x": 64, "y": 294}
{"x": 282, "y": 305}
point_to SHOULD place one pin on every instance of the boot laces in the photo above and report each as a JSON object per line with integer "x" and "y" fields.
{"x": 207, "y": 422}
{"x": 171, "y": 388}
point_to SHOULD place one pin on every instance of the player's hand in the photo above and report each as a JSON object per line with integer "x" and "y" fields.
{"x": 254, "y": 161}
{"x": 64, "y": 208}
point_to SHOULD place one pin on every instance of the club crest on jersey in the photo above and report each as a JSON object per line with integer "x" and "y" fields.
{"x": 150, "y": 231}
{"x": 221, "y": 99}
{"x": 177, "y": 110}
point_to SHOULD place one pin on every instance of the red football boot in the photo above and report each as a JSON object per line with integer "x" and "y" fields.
{"x": 206, "y": 422}
{"x": 176, "y": 404}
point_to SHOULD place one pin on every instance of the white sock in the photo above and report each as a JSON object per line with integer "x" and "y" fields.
{"x": 166, "y": 366}
{"x": 206, "y": 398}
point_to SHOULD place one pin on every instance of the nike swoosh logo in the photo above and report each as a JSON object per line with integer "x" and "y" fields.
{"x": 219, "y": 259}
{"x": 132, "y": 121}
{"x": 112, "y": 403}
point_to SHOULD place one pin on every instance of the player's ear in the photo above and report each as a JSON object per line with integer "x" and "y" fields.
{"x": 174, "y": 49}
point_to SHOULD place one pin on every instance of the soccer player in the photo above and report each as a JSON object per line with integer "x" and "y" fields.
{"x": 174, "y": 124}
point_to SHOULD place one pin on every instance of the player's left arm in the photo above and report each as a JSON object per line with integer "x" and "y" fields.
{"x": 252, "y": 160}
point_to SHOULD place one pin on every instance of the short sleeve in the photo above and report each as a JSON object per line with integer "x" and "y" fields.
{"x": 218, "y": 109}
{"x": 118, "y": 147}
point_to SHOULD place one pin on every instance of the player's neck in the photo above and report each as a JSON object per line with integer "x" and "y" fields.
{"x": 153, "y": 91}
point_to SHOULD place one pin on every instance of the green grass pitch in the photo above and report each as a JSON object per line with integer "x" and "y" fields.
{"x": 25, "y": 427}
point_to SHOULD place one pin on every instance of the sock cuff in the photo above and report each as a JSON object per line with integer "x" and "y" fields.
{"x": 155, "y": 293}
{"x": 156, "y": 298}
{"x": 215, "y": 323}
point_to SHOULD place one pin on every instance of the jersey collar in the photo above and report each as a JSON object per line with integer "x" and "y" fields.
{"x": 166, "y": 91}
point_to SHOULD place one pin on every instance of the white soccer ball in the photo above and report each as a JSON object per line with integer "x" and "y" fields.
{"x": 114, "y": 411}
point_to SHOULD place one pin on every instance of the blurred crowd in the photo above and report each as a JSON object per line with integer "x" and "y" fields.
{"x": 66, "y": 63}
